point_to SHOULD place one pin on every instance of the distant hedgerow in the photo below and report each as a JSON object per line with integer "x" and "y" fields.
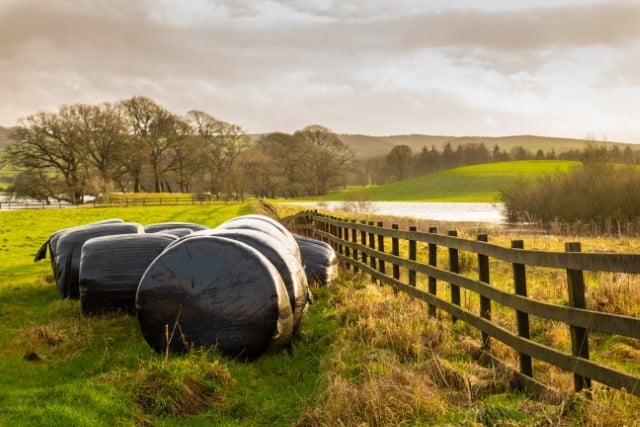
{"x": 600, "y": 194}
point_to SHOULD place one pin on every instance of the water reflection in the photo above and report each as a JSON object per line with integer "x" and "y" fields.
{"x": 492, "y": 213}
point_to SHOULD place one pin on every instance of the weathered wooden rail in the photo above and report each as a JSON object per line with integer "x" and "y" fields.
{"x": 361, "y": 247}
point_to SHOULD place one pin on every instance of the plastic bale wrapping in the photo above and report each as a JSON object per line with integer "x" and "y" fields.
{"x": 164, "y": 226}
{"x": 290, "y": 269}
{"x": 111, "y": 268}
{"x": 177, "y": 232}
{"x": 69, "y": 250}
{"x": 266, "y": 225}
{"x": 52, "y": 242}
{"x": 319, "y": 259}
{"x": 213, "y": 292}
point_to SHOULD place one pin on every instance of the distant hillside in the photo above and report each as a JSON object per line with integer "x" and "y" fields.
{"x": 372, "y": 146}
{"x": 477, "y": 183}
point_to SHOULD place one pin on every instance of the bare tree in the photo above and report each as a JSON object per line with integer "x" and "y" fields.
{"x": 104, "y": 133}
{"x": 287, "y": 156}
{"x": 326, "y": 160}
{"x": 156, "y": 131}
{"x": 53, "y": 143}
{"x": 223, "y": 143}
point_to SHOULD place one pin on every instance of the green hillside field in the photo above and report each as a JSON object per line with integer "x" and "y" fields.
{"x": 478, "y": 183}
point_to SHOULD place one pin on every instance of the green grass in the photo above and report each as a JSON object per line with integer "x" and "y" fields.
{"x": 364, "y": 356}
{"x": 478, "y": 183}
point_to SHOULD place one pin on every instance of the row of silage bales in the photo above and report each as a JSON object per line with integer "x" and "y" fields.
{"x": 240, "y": 287}
{"x": 65, "y": 247}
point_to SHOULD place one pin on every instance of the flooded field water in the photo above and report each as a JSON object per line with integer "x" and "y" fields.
{"x": 491, "y": 213}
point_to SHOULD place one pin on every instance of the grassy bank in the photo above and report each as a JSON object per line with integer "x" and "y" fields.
{"x": 364, "y": 355}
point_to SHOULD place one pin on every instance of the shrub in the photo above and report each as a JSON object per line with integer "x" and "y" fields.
{"x": 599, "y": 194}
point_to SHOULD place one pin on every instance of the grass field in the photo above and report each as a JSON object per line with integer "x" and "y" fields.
{"x": 365, "y": 356}
{"x": 478, "y": 183}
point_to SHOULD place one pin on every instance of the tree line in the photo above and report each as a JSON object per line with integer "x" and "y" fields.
{"x": 402, "y": 163}
{"x": 136, "y": 145}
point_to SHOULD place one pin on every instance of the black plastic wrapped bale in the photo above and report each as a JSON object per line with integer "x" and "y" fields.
{"x": 213, "y": 292}
{"x": 69, "y": 250}
{"x": 111, "y": 268}
{"x": 290, "y": 269}
{"x": 266, "y": 225}
{"x": 319, "y": 259}
{"x": 164, "y": 226}
{"x": 177, "y": 232}
{"x": 52, "y": 242}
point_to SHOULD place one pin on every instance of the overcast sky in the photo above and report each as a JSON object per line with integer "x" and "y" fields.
{"x": 446, "y": 67}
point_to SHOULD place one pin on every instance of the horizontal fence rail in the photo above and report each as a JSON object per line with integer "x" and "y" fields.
{"x": 361, "y": 247}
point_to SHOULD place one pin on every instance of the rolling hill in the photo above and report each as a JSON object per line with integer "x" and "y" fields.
{"x": 478, "y": 183}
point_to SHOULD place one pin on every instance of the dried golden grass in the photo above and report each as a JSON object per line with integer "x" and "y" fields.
{"x": 392, "y": 397}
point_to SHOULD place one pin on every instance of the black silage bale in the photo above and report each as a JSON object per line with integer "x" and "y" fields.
{"x": 266, "y": 225}
{"x": 111, "y": 268}
{"x": 213, "y": 292}
{"x": 290, "y": 269}
{"x": 69, "y": 250}
{"x": 319, "y": 259}
{"x": 52, "y": 242}
{"x": 163, "y": 226}
{"x": 177, "y": 232}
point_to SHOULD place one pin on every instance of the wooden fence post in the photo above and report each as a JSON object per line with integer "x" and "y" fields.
{"x": 347, "y": 250}
{"x": 333, "y": 233}
{"x": 363, "y": 242}
{"x": 354, "y": 239}
{"x": 340, "y": 247}
{"x": 381, "y": 266}
{"x": 412, "y": 257}
{"x": 454, "y": 267}
{"x": 433, "y": 261}
{"x": 485, "y": 303}
{"x": 520, "y": 288}
{"x": 579, "y": 336}
{"x": 395, "y": 251}
{"x": 372, "y": 246}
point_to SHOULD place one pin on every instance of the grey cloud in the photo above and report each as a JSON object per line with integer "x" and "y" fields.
{"x": 287, "y": 60}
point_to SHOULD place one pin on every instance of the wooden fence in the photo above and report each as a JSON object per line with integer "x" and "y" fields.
{"x": 364, "y": 247}
{"x": 119, "y": 202}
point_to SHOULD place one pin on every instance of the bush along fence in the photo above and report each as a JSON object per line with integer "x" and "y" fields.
{"x": 364, "y": 247}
